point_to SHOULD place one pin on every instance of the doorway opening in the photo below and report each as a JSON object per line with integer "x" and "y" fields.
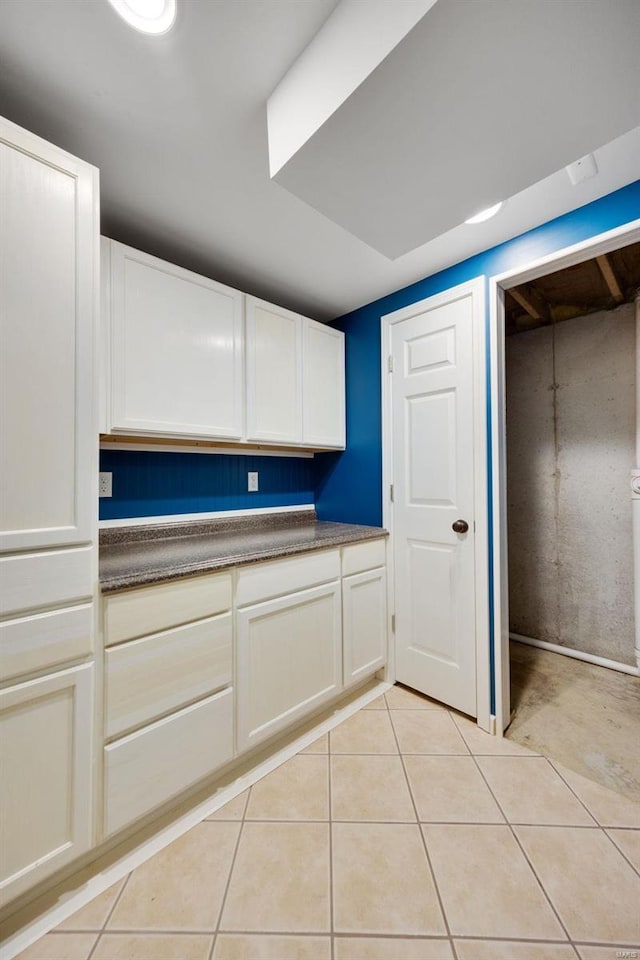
{"x": 572, "y": 449}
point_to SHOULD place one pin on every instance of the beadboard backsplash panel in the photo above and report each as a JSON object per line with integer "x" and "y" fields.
{"x": 149, "y": 484}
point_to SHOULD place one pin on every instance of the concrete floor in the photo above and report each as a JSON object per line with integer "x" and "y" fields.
{"x": 584, "y": 716}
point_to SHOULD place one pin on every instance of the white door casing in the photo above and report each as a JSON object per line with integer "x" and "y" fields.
{"x": 602, "y": 243}
{"x": 435, "y": 443}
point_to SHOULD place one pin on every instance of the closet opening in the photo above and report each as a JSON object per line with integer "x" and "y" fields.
{"x": 571, "y": 349}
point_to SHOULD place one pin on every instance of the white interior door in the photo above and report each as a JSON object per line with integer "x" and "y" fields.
{"x": 432, "y": 425}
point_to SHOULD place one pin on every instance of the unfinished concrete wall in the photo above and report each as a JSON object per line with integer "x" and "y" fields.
{"x": 570, "y": 449}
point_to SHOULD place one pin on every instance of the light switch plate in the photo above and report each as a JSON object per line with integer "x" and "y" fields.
{"x": 252, "y": 482}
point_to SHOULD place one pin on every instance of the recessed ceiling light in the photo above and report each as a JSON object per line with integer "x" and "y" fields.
{"x": 148, "y": 16}
{"x": 485, "y": 214}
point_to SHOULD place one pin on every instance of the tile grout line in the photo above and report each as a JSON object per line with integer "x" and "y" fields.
{"x": 523, "y": 851}
{"x": 228, "y": 883}
{"x": 621, "y": 852}
{"x": 331, "y": 899}
{"x": 599, "y": 825}
{"x": 146, "y": 932}
{"x": 603, "y": 826}
{"x": 424, "y": 844}
{"x": 103, "y": 928}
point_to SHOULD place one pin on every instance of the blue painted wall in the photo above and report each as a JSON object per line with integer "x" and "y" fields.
{"x": 147, "y": 484}
{"x": 349, "y": 485}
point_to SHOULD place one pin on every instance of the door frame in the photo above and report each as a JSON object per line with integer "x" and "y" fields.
{"x": 566, "y": 257}
{"x": 475, "y": 288}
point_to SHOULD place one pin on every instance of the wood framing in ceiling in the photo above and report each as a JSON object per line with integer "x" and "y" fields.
{"x": 598, "y": 284}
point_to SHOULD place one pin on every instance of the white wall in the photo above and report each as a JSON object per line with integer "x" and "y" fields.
{"x": 570, "y": 452}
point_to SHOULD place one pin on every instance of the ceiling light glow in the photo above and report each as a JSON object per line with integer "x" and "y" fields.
{"x": 153, "y": 17}
{"x": 485, "y": 214}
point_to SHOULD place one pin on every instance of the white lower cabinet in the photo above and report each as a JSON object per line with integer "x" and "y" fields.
{"x": 288, "y": 660}
{"x": 46, "y": 768}
{"x": 364, "y": 624}
{"x": 155, "y": 764}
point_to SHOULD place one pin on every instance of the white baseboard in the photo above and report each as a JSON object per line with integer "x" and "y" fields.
{"x": 116, "y": 869}
{"x": 577, "y": 654}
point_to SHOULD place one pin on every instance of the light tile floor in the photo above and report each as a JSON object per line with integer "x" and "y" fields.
{"x": 405, "y": 834}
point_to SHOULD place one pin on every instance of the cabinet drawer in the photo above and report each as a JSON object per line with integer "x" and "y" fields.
{"x": 148, "y": 677}
{"x": 135, "y": 613}
{"x": 263, "y": 581}
{"x": 45, "y": 579}
{"x": 149, "y": 767}
{"x": 363, "y": 556}
{"x": 45, "y": 640}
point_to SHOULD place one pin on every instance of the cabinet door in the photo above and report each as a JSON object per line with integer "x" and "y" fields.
{"x": 48, "y": 307}
{"x": 45, "y": 759}
{"x": 364, "y": 620}
{"x": 274, "y": 358}
{"x": 323, "y": 404}
{"x": 176, "y": 364}
{"x": 288, "y": 660}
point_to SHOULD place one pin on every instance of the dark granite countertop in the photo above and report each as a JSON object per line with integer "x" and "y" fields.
{"x": 136, "y": 556}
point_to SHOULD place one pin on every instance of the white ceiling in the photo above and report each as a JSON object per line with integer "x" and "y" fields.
{"x": 478, "y": 101}
{"x": 177, "y": 126}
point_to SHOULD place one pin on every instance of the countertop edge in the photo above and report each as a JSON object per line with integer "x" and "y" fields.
{"x": 110, "y": 585}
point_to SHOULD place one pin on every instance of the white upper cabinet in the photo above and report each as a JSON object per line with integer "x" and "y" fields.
{"x": 184, "y": 356}
{"x": 274, "y": 360}
{"x": 176, "y": 364}
{"x": 48, "y": 308}
{"x": 323, "y": 404}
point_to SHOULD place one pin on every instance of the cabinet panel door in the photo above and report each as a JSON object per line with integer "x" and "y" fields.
{"x": 323, "y": 403}
{"x": 364, "y": 619}
{"x": 274, "y": 358}
{"x": 288, "y": 660}
{"x": 45, "y": 758}
{"x": 48, "y": 265}
{"x": 176, "y": 350}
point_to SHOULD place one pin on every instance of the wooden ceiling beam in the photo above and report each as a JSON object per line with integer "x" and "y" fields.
{"x": 610, "y": 278}
{"x": 531, "y": 301}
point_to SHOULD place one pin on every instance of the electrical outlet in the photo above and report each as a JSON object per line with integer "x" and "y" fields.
{"x": 104, "y": 485}
{"x": 252, "y": 482}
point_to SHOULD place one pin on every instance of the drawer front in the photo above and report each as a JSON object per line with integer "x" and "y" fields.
{"x": 45, "y": 640}
{"x": 155, "y": 764}
{"x": 263, "y": 581}
{"x": 152, "y": 676}
{"x": 359, "y": 557}
{"x": 33, "y": 580}
{"x": 135, "y": 613}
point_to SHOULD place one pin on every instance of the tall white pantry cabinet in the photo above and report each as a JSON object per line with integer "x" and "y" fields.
{"x": 49, "y": 256}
